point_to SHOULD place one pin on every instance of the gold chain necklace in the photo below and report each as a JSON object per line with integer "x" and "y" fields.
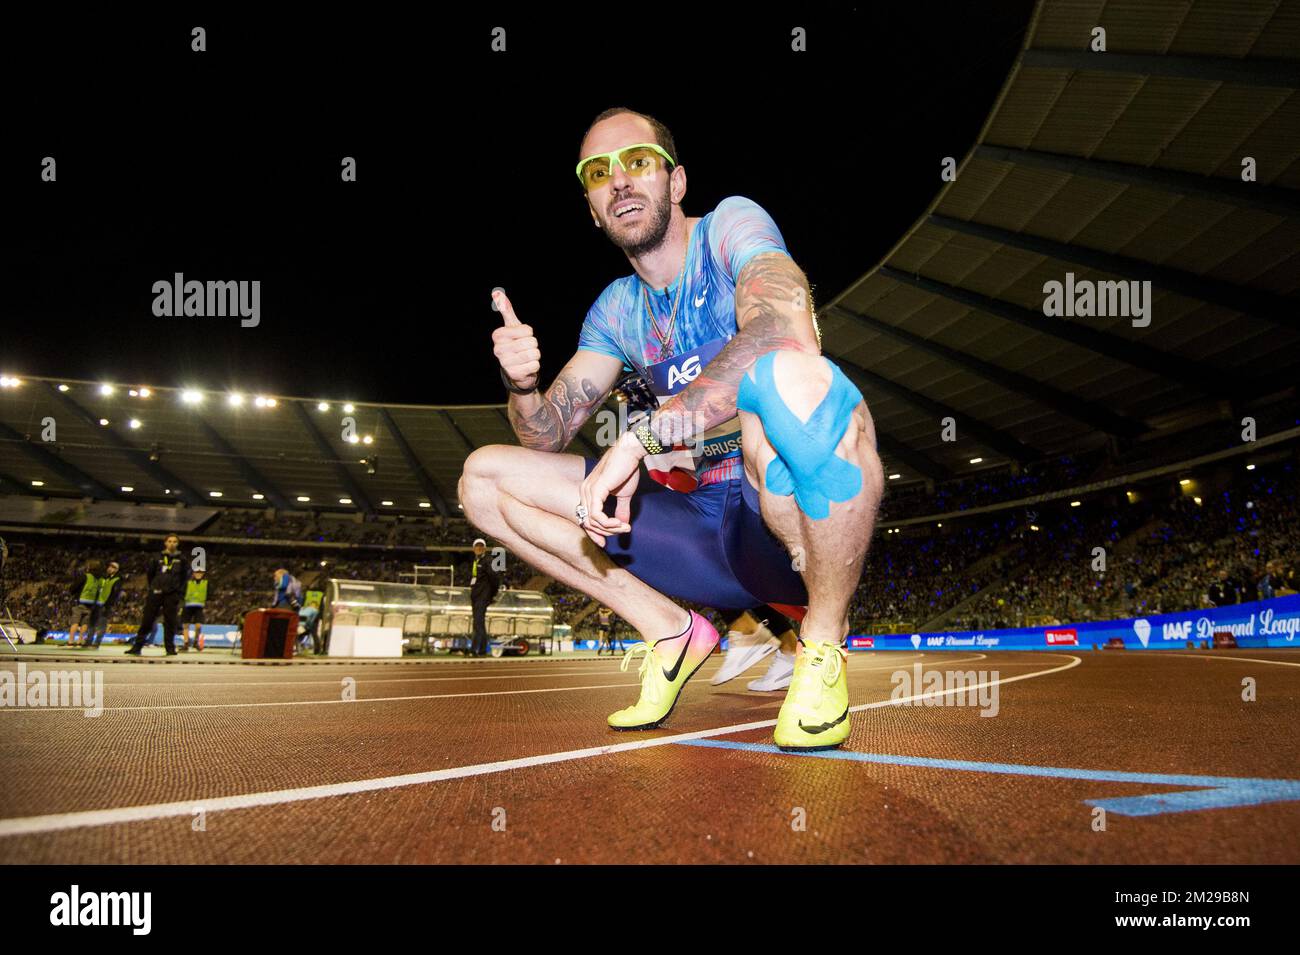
{"x": 666, "y": 339}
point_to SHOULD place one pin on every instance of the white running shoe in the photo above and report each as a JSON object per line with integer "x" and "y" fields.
{"x": 743, "y": 651}
{"x": 778, "y": 676}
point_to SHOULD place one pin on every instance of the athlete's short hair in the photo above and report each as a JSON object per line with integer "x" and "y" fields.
{"x": 663, "y": 138}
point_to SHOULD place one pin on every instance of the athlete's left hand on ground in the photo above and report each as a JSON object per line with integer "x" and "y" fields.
{"x": 616, "y": 474}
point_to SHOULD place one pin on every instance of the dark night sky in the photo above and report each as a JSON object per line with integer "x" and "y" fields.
{"x": 224, "y": 165}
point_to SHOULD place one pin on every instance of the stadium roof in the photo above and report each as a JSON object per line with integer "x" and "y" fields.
{"x": 204, "y": 448}
{"x": 1114, "y": 166}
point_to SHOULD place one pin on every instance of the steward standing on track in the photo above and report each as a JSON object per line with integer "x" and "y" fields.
{"x": 167, "y": 575}
{"x": 84, "y": 586}
{"x": 483, "y": 587}
{"x": 110, "y": 590}
{"x": 196, "y": 598}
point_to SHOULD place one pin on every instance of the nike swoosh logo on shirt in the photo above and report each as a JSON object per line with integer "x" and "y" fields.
{"x": 671, "y": 675}
{"x": 700, "y": 301}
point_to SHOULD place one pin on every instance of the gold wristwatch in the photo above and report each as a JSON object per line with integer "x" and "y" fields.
{"x": 648, "y": 439}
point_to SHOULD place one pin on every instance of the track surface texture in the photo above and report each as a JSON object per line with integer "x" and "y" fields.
{"x": 510, "y": 761}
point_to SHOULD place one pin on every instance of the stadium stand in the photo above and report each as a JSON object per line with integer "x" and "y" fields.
{"x": 1166, "y": 541}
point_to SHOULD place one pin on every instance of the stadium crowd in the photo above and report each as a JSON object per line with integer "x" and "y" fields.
{"x": 41, "y": 571}
{"x": 993, "y": 487}
{"x": 1235, "y": 546}
{"x": 921, "y": 572}
{"x": 1165, "y": 550}
{"x": 400, "y": 531}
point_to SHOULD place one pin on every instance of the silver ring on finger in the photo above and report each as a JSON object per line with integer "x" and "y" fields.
{"x": 581, "y": 512}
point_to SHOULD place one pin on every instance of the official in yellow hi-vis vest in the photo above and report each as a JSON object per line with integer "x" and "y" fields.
{"x": 84, "y": 585}
{"x": 110, "y": 589}
{"x": 196, "y": 599}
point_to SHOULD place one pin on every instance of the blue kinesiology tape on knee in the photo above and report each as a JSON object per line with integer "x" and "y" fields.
{"x": 806, "y": 464}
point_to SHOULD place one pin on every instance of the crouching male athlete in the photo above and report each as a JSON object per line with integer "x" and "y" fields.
{"x": 764, "y": 476}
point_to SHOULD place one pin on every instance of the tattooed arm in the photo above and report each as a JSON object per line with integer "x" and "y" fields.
{"x": 773, "y": 310}
{"x": 548, "y": 422}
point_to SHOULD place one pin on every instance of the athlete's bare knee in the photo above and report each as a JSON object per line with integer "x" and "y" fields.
{"x": 783, "y": 390}
{"x": 480, "y": 480}
{"x": 802, "y": 378}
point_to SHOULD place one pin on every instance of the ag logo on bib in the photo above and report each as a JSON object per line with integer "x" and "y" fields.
{"x": 687, "y": 373}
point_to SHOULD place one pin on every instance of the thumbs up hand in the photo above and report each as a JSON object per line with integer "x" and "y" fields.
{"x": 515, "y": 345}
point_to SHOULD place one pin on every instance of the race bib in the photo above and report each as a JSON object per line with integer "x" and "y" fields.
{"x": 681, "y": 467}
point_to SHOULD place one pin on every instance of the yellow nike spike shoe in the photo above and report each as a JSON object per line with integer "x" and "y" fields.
{"x": 815, "y": 714}
{"x": 665, "y": 667}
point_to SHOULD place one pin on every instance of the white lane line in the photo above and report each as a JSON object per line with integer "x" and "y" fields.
{"x": 361, "y": 680}
{"x": 331, "y": 702}
{"x": 338, "y": 702}
{"x": 706, "y": 669}
{"x": 1275, "y": 663}
{"x": 498, "y": 673}
{"x": 359, "y": 674}
{"x": 57, "y": 822}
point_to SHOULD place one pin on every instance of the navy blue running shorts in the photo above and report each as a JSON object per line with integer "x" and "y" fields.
{"x": 709, "y": 547}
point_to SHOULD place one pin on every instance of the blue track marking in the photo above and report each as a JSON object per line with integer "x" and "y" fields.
{"x": 1219, "y": 792}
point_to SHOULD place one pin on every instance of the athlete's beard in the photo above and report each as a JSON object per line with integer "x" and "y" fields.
{"x": 654, "y": 232}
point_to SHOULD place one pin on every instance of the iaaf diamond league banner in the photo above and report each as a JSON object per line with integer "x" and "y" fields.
{"x": 1264, "y": 623}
